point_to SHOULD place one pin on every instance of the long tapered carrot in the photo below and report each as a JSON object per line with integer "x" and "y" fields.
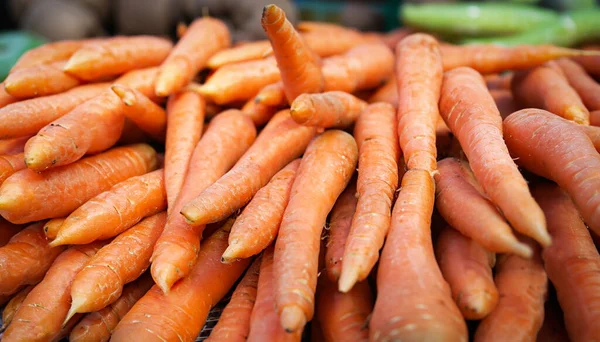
{"x": 388, "y": 92}
{"x": 228, "y": 136}
{"x": 40, "y": 80}
{"x": 43, "y": 311}
{"x": 242, "y": 53}
{"x": 13, "y": 146}
{"x": 522, "y": 285}
{"x": 49, "y": 53}
{"x": 25, "y": 259}
{"x": 271, "y": 95}
{"x": 11, "y": 164}
{"x": 340, "y": 221}
{"x": 470, "y": 212}
{"x": 6, "y": 98}
{"x": 7, "y": 231}
{"x": 572, "y": 263}
{"x": 559, "y": 151}
{"x": 52, "y": 227}
{"x": 280, "y": 142}
{"x": 181, "y": 314}
{"x": 147, "y": 115}
{"x": 428, "y": 312}
{"x": 587, "y": 88}
{"x": 185, "y": 120}
{"x": 330, "y": 109}
{"x": 469, "y": 110}
{"x": 28, "y": 196}
{"x": 377, "y": 140}
{"x": 98, "y": 326}
{"x": 545, "y": 88}
{"x": 257, "y": 225}
{"x": 13, "y": 306}
{"x": 329, "y": 159}
{"x": 259, "y": 113}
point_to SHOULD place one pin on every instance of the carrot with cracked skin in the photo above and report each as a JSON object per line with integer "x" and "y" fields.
{"x": 428, "y": 312}
{"x": 587, "y": 88}
{"x": 259, "y": 113}
{"x": 281, "y": 141}
{"x": 13, "y": 306}
{"x": 330, "y": 109}
{"x": 522, "y": 285}
{"x": 181, "y": 314}
{"x": 388, "y": 92}
{"x": 572, "y": 263}
{"x": 340, "y": 220}
{"x": 242, "y": 53}
{"x": 52, "y": 227}
{"x": 467, "y": 267}
{"x": 329, "y": 159}
{"x": 7, "y": 231}
{"x": 6, "y": 98}
{"x": 13, "y": 146}
{"x": 147, "y": 115}
{"x": 560, "y": 151}
{"x": 546, "y": 88}
{"x": 11, "y": 164}
{"x": 271, "y": 95}
{"x": 376, "y": 136}
{"x": 257, "y": 225}
{"x": 471, "y": 113}
{"x": 40, "y": 80}
{"x": 28, "y": 196}
{"x": 228, "y": 136}
{"x": 43, "y": 311}
{"x": 299, "y": 66}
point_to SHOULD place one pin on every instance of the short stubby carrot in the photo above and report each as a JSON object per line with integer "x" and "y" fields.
{"x": 572, "y": 263}
{"x": 6, "y": 98}
{"x": 272, "y": 95}
{"x": 329, "y": 159}
{"x": 7, "y": 231}
{"x": 259, "y": 113}
{"x": 228, "y": 136}
{"x": 52, "y": 227}
{"x": 257, "y": 225}
{"x": 559, "y": 151}
{"x": 545, "y": 88}
{"x": 330, "y": 109}
{"x": 388, "y": 92}
{"x": 13, "y": 146}
{"x": 29, "y": 196}
{"x": 142, "y": 80}
{"x": 281, "y": 141}
{"x": 40, "y": 80}
{"x": 340, "y": 220}
{"x": 11, "y": 164}
{"x": 13, "y": 306}
{"x": 25, "y": 259}
{"x": 147, "y": 115}
{"x": 587, "y": 88}
{"x": 117, "y": 55}
{"x": 428, "y": 312}
{"x": 245, "y": 52}
{"x": 49, "y": 53}
{"x": 376, "y": 136}
{"x": 471, "y": 113}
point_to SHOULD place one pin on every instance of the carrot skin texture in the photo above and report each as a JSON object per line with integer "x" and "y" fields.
{"x": 11, "y": 164}
{"x": 147, "y": 115}
{"x": 13, "y": 306}
{"x": 428, "y": 311}
{"x": 587, "y": 88}
{"x": 329, "y": 159}
{"x": 330, "y": 109}
{"x": 40, "y": 80}
{"x": 52, "y": 227}
{"x": 340, "y": 221}
{"x": 243, "y": 53}
{"x": 7, "y": 231}
{"x": 28, "y": 196}
{"x": 13, "y": 146}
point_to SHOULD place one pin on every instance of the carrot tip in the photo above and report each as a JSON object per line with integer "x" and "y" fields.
{"x": 348, "y": 278}
{"x": 522, "y": 250}
{"x": 164, "y": 276}
{"x": 478, "y": 304}
{"x": 301, "y": 112}
{"x": 271, "y": 14}
{"x": 58, "y": 241}
{"x": 192, "y": 215}
{"x": 75, "y": 305}
{"x": 292, "y": 319}
{"x": 230, "y": 255}
{"x": 125, "y": 94}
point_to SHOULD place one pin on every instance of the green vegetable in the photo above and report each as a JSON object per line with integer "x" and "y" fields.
{"x": 12, "y": 45}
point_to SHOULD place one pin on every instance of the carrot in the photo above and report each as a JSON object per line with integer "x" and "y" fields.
{"x": 319, "y": 27}
{"x": 43, "y": 311}
{"x": 6, "y": 98}
{"x": 181, "y": 314}
{"x": 329, "y": 159}
{"x": 587, "y": 88}
{"x": 52, "y": 227}
{"x": 185, "y": 120}
{"x": 142, "y": 80}
{"x": 202, "y": 39}
{"x": 329, "y": 109}
{"x": 272, "y": 95}
{"x": 7, "y": 231}
{"x": 13, "y": 146}
{"x": 327, "y": 43}
{"x": 28, "y": 196}
{"x": 572, "y": 263}
{"x": 505, "y": 102}
{"x": 469, "y": 110}
{"x": 257, "y": 225}
{"x": 299, "y": 66}
{"x": 147, "y": 115}
{"x": 49, "y": 53}
{"x": 10, "y": 164}
{"x": 470, "y": 212}
{"x": 589, "y": 63}
{"x": 40, "y": 80}
{"x": 522, "y": 285}
{"x": 67, "y": 328}
{"x": 26, "y": 118}
{"x": 428, "y": 312}
{"x": 13, "y": 306}
{"x": 377, "y": 141}
{"x": 117, "y": 55}
{"x": 593, "y": 133}
{"x": 595, "y": 118}
{"x": 280, "y": 142}
{"x": 227, "y": 138}
{"x": 25, "y": 259}
{"x": 558, "y": 151}
{"x": 340, "y": 220}
{"x": 388, "y": 92}
{"x": 258, "y": 112}
{"x": 242, "y": 53}
{"x": 499, "y": 81}
{"x": 545, "y": 88}
{"x": 234, "y": 322}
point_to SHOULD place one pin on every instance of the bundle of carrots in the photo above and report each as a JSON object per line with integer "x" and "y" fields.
{"x": 373, "y": 187}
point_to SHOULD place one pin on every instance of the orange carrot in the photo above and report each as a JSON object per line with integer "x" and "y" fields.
{"x": 545, "y": 88}
{"x": 97, "y": 326}
{"x": 329, "y": 159}
{"x": 242, "y": 53}
{"x": 142, "y": 80}
{"x": 299, "y": 66}
{"x": 25, "y": 259}
{"x": 52, "y": 227}
{"x": 377, "y": 140}
{"x": 272, "y": 95}
{"x": 340, "y": 220}
{"x": 595, "y": 118}
{"x": 505, "y": 102}
{"x": 42, "y": 313}
{"x": 7, "y": 231}
{"x": 117, "y": 55}
{"x": 469, "y": 110}
{"x": 470, "y": 212}
{"x": 11, "y": 164}
{"x": 257, "y": 225}
{"x": 593, "y": 133}
{"x": 428, "y": 312}
{"x": 185, "y": 120}
{"x": 202, "y": 39}
{"x": 227, "y": 138}
{"x": 572, "y": 263}
{"x": 13, "y": 146}
{"x": 40, "y": 80}
{"x": 522, "y": 285}
{"x": 49, "y": 53}
{"x": 28, "y": 196}
{"x": 558, "y": 151}
{"x": 280, "y": 142}
{"x": 181, "y": 314}
{"x": 6, "y": 98}
{"x": 258, "y": 112}
{"x": 499, "y": 81}
{"x": 330, "y": 109}
{"x": 587, "y": 88}
{"x": 388, "y": 92}
{"x": 13, "y": 306}
{"x": 589, "y": 63}
{"x": 147, "y": 115}
{"x": 319, "y": 26}
{"x": 327, "y": 43}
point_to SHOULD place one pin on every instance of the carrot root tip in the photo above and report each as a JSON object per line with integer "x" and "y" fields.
{"x": 230, "y": 255}
{"x": 292, "y": 319}
{"x": 164, "y": 276}
{"x": 75, "y": 306}
{"x": 348, "y": 278}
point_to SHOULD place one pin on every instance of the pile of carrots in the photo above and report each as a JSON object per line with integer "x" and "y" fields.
{"x": 345, "y": 186}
